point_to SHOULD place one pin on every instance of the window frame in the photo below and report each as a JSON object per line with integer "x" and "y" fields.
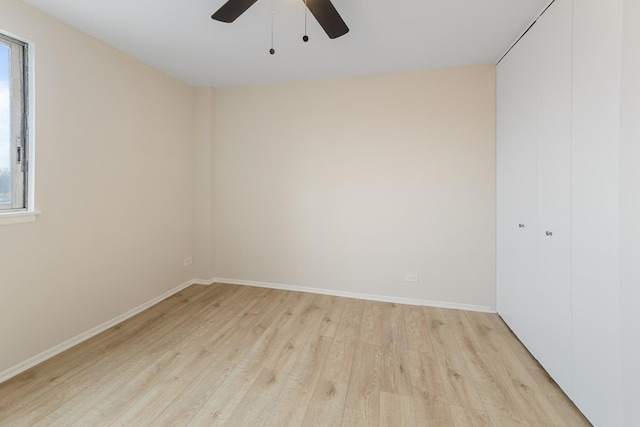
{"x": 20, "y": 141}
{"x": 28, "y": 212}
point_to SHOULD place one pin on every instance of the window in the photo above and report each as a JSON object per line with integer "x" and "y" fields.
{"x": 13, "y": 125}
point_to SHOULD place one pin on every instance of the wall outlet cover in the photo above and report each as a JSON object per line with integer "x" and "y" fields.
{"x": 411, "y": 277}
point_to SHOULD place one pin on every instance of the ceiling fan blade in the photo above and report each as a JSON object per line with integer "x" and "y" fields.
{"x": 230, "y": 11}
{"x": 328, "y": 17}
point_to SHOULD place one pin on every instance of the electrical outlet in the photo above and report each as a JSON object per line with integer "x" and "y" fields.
{"x": 188, "y": 261}
{"x": 411, "y": 277}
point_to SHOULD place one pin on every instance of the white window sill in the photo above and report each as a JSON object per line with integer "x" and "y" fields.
{"x": 9, "y": 218}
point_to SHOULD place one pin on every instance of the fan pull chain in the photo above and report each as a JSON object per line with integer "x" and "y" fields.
{"x": 272, "y": 51}
{"x": 305, "y": 38}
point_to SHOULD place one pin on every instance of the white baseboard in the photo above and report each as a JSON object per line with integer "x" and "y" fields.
{"x": 371, "y": 297}
{"x": 205, "y": 282}
{"x": 47, "y": 354}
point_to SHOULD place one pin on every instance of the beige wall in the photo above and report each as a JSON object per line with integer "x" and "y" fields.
{"x": 203, "y": 188}
{"x": 114, "y": 184}
{"x": 347, "y": 184}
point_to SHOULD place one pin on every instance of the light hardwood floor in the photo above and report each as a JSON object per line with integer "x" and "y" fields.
{"x": 241, "y": 356}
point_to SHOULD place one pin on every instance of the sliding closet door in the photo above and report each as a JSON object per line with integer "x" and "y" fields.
{"x": 552, "y": 342}
{"x": 516, "y": 185}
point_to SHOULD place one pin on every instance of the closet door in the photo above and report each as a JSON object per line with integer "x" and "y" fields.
{"x": 551, "y": 344}
{"x": 534, "y": 190}
{"x": 516, "y": 185}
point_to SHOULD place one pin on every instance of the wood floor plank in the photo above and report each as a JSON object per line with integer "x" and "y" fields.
{"x": 432, "y": 414}
{"x": 307, "y": 320}
{"x": 396, "y": 374}
{"x": 351, "y": 320}
{"x": 300, "y": 385}
{"x": 561, "y": 403}
{"x": 327, "y": 404}
{"x": 257, "y": 403}
{"x": 467, "y": 417}
{"x": 236, "y": 355}
{"x": 458, "y": 382}
{"x": 362, "y": 407}
{"x": 331, "y": 316}
{"x": 426, "y": 378}
{"x": 373, "y": 325}
{"x": 396, "y": 410}
{"x": 394, "y": 332}
{"x": 497, "y": 399}
{"x": 222, "y": 403}
{"x": 340, "y": 361}
{"x": 515, "y": 376}
{"x": 418, "y": 337}
{"x": 492, "y": 324}
{"x": 297, "y": 302}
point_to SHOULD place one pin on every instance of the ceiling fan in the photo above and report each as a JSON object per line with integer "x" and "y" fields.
{"x": 323, "y": 10}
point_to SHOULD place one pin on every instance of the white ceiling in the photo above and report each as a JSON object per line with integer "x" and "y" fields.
{"x": 180, "y": 38}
